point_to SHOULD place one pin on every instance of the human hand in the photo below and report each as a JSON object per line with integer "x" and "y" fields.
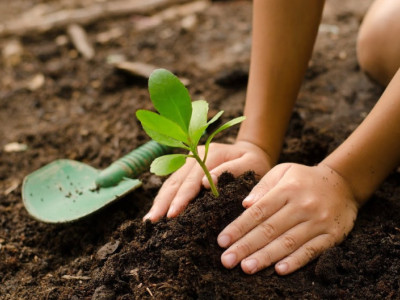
{"x": 293, "y": 214}
{"x": 185, "y": 184}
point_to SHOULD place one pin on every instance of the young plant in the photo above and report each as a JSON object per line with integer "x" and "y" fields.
{"x": 180, "y": 123}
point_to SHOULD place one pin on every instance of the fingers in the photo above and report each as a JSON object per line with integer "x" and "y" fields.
{"x": 255, "y": 240}
{"x": 269, "y": 181}
{"x": 168, "y": 191}
{"x": 306, "y": 253}
{"x": 265, "y": 230}
{"x": 252, "y": 217}
{"x": 295, "y": 242}
{"x": 187, "y": 190}
{"x": 179, "y": 189}
{"x": 258, "y": 238}
{"x": 292, "y": 217}
{"x": 281, "y": 247}
{"x": 185, "y": 184}
{"x": 295, "y": 248}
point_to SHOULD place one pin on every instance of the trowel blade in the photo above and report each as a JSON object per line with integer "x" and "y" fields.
{"x": 65, "y": 191}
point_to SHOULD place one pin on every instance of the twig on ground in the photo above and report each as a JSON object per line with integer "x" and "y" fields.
{"x": 44, "y": 17}
{"x": 135, "y": 68}
{"x": 178, "y": 11}
{"x": 71, "y": 277}
{"x": 80, "y": 40}
{"x": 141, "y": 69}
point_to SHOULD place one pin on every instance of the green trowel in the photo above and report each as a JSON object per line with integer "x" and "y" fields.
{"x": 67, "y": 190}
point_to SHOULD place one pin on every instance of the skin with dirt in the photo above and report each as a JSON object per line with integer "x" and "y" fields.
{"x": 84, "y": 110}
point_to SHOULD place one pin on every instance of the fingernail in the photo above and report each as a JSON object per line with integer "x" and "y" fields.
{"x": 147, "y": 216}
{"x": 224, "y": 240}
{"x": 229, "y": 260}
{"x": 250, "y": 265}
{"x": 282, "y": 268}
{"x": 248, "y": 200}
{"x": 171, "y": 212}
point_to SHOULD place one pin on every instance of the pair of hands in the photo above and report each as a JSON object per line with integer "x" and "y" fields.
{"x": 292, "y": 215}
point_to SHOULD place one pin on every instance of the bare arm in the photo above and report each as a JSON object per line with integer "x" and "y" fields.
{"x": 373, "y": 150}
{"x": 283, "y": 38}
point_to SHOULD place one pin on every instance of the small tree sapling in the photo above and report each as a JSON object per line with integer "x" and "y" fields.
{"x": 180, "y": 123}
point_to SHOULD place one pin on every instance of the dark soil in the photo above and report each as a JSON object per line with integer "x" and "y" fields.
{"x": 85, "y": 111}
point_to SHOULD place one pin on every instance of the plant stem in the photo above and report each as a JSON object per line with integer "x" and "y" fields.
{"x": 207, "y": 173}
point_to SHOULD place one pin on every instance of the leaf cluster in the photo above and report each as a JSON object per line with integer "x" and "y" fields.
{"x": 179, "y": 123}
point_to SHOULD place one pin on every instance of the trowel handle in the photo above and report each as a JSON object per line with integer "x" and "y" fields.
{"x": 131, "y": 165}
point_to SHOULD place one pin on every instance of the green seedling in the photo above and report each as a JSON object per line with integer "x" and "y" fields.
{"x": 180, "y": 123}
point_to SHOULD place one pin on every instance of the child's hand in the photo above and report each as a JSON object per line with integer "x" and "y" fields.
{"x": 184, "y": 185}
{"x": 293, "y": 214}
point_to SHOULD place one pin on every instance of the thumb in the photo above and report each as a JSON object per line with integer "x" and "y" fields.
{"x": 269, "y": 181}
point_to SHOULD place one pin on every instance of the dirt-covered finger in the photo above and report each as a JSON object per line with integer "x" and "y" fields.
{"x": 266, "y": 184}
{"x": 168, "y": 191}
{"x": 252, "y": 217}
{"x": 187, "y": 190}
{"x": 261, "y": 235}
{"x": 306, "y": 253}
{"x": 283, "y": 246}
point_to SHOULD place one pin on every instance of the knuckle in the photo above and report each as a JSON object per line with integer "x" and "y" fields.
{"x": 297, "y": 262}
{"x": 267, "y": 230}
{"x": 309, "y": 204}
{"x": 265, "y": 259}
{"x": 190, "y": 180}
{"x": 294, "y": 184}
{"x": 172, "y": 183}
{"x": 311, "y": 252}
{"x": 289, "y": 242}
{"x": 331, "y": 241}
{"x": 336, "y": 233}
{"x": 324, "y": 216}
{"x": 158, "y": 199}
{"x": 243, "y": 249}
{"x": 261, "y": 187}
{"x": 236, "y": 229}
{"x": 257, "y": 213}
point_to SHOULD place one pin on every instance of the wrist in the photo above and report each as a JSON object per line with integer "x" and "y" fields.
{"x": 360, "y": 194}
{"x": 246, "y": 143}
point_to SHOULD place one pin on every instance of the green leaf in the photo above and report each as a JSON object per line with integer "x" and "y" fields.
{"x": 167, "y": 164}
{"x": 163, "y": 139}
{"x": 198, "y": 122}
{"x": 170, "y": 97}
{"x": 215, "y": 118}
{"x": 223, "y": 127}
{"x": 154, "y": 122}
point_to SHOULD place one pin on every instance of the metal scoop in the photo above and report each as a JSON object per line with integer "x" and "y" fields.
{"x": 67, "y": 190}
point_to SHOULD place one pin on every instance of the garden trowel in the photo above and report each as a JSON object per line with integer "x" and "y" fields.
{"x": 67, "y": 190}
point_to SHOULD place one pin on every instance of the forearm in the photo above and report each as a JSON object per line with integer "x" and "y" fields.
{"x": 373, "y": 150}
{"x": 283, "y": 38}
